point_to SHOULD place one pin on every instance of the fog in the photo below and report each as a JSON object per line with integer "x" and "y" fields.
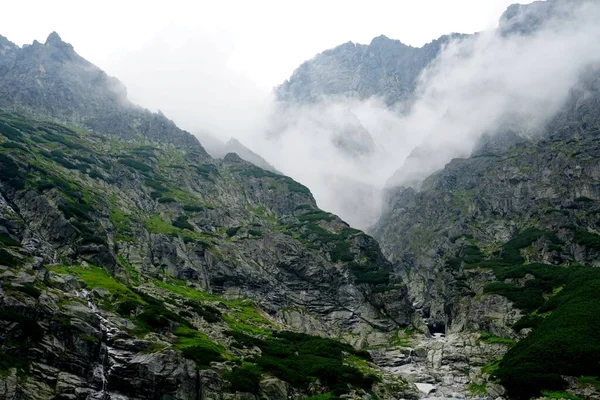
{"x": 346, "y": 150}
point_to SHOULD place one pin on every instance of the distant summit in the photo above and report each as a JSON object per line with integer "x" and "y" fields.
{"x": 386, "y": 68}
{"x": 51, "y": 79}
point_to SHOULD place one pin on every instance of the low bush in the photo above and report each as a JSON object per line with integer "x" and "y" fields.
{"x": 182, "y": 223}
{"x": 245, "y": 379}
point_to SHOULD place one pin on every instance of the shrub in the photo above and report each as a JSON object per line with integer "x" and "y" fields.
{"x": 29, "y": 328}
{"x": 9, "y": 260}
{"x": 140, "y": 166}
{"x": 300, "y": 359}
{"x": 8, "y": 241}
{"x": 210, "y": 314}
{"x": 14, "y": 145}
{"x": 316, "y": 215}
{"x": 369, "y": 274}
{"x": 587, "y": 239}
{"x": 11, "y": 173}
{"x": 341, "y": 252}
{"x": 254, "y": 232}
{"x": 245, "y": 379}
{"x": 202, "y": 355}
{"x": 530, "y": 366}
{"x": 29, "y": 289}
{"x": 193, "y": 208}
{"x": 10, "y": 133}
{"x": 231, "y": 232}
{"x": 182, "y": 223}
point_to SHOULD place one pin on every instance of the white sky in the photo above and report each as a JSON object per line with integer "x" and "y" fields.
{"x": 263, "y": 40}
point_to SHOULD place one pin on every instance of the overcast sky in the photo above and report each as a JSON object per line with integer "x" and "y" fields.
{"x": 263, "y": 40}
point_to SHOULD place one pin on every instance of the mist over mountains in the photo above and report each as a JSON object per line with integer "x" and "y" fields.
{"x": 405, "y": 112}
{"x": 359, "y": 118}
{"x": 140, "y": 260}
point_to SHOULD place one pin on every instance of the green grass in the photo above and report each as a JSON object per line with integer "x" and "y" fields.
{"x": 158, "y": 225}
{"x": 241, "y": 315}
{"x": 95, "y": 277}
{"x": 477, "y": 389}
{"x": 132, "y": 273}
{"x": 491, "y": 339}
{"x": 119, "y": 219}
{"x": 197, "y": 346}
{"x": 560, "y": 395}
{"x": 590, "y": 381}
{"x": 324, "y": 396}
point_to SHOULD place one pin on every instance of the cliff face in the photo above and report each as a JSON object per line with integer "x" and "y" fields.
{"x": 386, "y": 68}
{"x": 136, "y": 266}
{"x": 515, "y": 223}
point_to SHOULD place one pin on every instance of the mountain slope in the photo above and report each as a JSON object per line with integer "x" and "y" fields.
{"x": 219, "y": 149}
{"x": 136, "y": 266}
{"x": 517, "y": 224}
{"x": 385, "y": 68}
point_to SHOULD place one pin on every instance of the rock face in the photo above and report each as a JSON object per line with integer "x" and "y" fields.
{"x": 136, "y": 266}
{"x": 51, "y": 79}
{"x": 385, "y": 68}
{"x": 536, "y": 199}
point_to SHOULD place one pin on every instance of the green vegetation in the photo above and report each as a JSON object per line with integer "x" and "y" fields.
{"x": 207, "y": 171}
{"x": 198, "y": 347}
{"x": 8, "y": 241}
{"x": 490, "y": 339}
{"x": 245, "y": 379}
{"x": 561, "y": 305}
{"x": 590, "y": 381}
{"x": 256, "y": 172}
{"x": 193, "y": 208}
{"x": 231, "y": 232}
{"x": 158, "y": 225}
{"x": 316, "y": 215}
{"x": 119, "y": 219}
{"x": 29, "y": 289}
{"x": 324, "y": 396}
{"x": 369, "y": 274}
{"x": 9, "y": 259}
{"x": 477, "y": 389}
{"x": 12, "y": 173}
{"x": 208, "y": 313}
{"x": 560, "y": 395}
{"x": 182, "y": 223}
{"x": 138, "y": 165}
{"x": 132, "y": 273}
{"x": 242, "y": 316}
{"x": 300, "y": 359}
{"x": 587, "y": 239}
{"x": 254, "y": 232}
{"x": 568, "y": 330}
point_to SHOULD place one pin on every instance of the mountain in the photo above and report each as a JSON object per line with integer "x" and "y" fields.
{"x": 386, "y": 68}
{"x": 219, "y": 149}
{"x": 505, "y": 242}
{"x": 135, "y": 265}
{"x": 499, "y": 248}
{"x": 523, "y": 19}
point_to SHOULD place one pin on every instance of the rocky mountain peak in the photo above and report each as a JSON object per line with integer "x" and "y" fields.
{"x": 6, "y": 44}
{"x": 54, "y": 39}
{"x": 525, "y": 19}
